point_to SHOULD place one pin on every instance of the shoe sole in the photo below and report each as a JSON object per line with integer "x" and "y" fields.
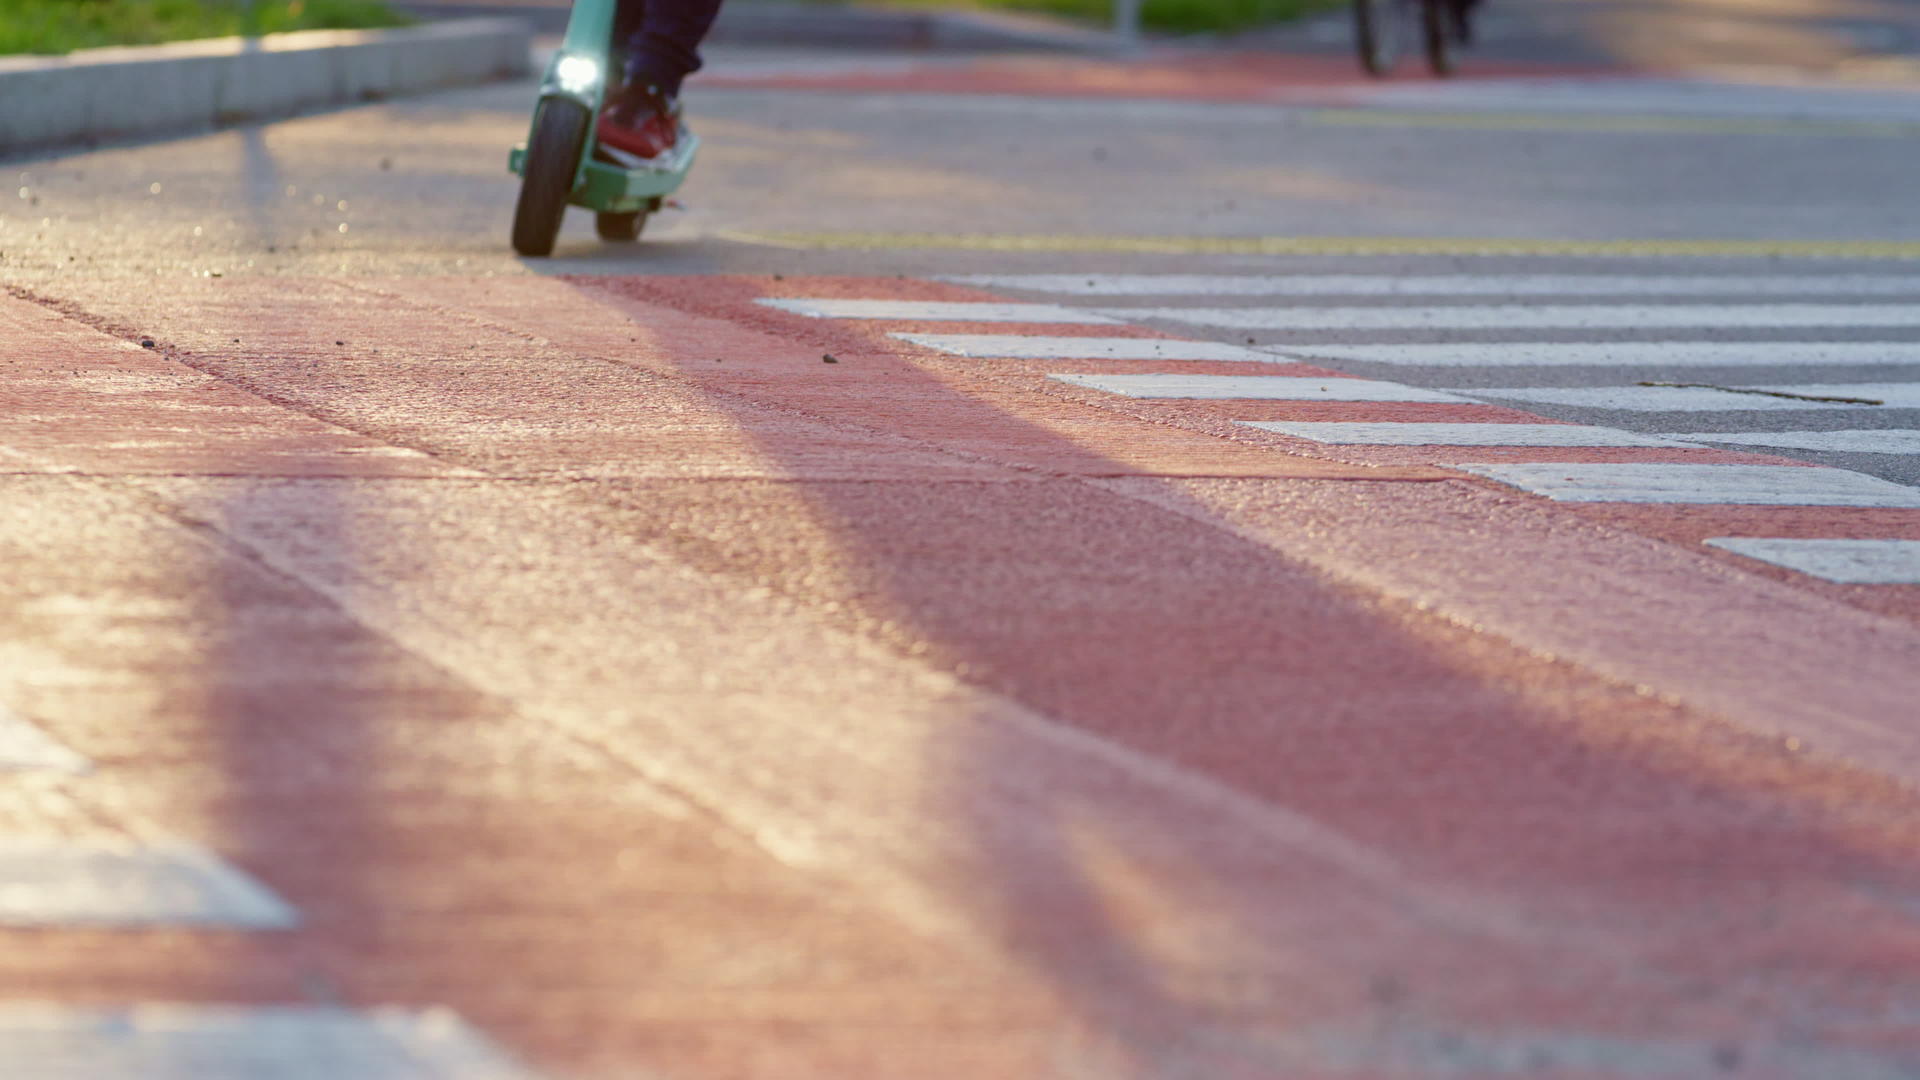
{"x": 627, "y": 159}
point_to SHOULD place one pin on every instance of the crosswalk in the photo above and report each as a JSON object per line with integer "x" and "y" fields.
{"x": 1611, "y": 363}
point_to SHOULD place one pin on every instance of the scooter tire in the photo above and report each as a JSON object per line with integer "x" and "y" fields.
{"x": 553, "y": 157}
{"x": 620, "y": 228}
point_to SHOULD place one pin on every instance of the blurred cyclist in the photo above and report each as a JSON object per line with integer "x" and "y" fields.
{"x": 1463, "y": 13}
{"x": 641, "y": 124}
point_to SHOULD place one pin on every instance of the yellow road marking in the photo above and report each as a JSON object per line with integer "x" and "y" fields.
{"x": 1613, "y": 123}
{"x": 1331, "y": 245}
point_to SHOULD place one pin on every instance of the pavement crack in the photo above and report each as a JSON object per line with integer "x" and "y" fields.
{"x": 208, "y": 366}
{"x": 1831, "y": 398}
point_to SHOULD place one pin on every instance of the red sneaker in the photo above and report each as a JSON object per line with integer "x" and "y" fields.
{"x": 640, "y": 130}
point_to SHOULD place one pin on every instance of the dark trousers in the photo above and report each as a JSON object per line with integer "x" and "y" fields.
{"x": 663, "y": 39}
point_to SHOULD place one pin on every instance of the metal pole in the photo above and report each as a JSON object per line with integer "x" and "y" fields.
{"x": 1126, "y": 20}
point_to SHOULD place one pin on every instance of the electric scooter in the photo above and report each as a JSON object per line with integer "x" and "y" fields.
{"x": 557, "y": 165}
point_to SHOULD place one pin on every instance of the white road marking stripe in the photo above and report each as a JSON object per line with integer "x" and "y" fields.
{"x": 1533, "y": 317}
{"x": 934, "y": 311}
{"x": 1865, "y": 441}
{"x": 221, "y": 1042}
{"x": 1849, "y": 562}
{"x": 1256, "y": 387}
{"x": 1422, "y": 434}
{"x": 60, "y": 884}
{"x": 1746, "y": 485}
{"x": 1650, "y": 353}
{"x": 1448, "y": 284}
{"x": 1698, "y": 399}
{"x": 25, "y": 746}
{"x": 1024, "y": 347}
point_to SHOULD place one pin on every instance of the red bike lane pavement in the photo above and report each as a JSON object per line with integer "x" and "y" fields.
{"x": 599, "y": 659}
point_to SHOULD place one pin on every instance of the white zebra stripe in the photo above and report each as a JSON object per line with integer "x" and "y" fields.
{"x": 933, "y": 310}
{"x": 1751, "y": 485}
{"x": 1707, "y": 399}
{"x": 66, "y": 884}
{"x": 1032, "y": 347}
{"x": 1849, "y": 562}
{"x": 1255, "y": 387}
{"x": 1424, "y": 434}
{"x": 231, "y": 1042}
{"x": 1663, "y": 354}
{"x": 1448, "y": 284}
{"x": 1868, "y": 441}
{"x": 25, "y": 746}
{"x": 1536, "y": 317}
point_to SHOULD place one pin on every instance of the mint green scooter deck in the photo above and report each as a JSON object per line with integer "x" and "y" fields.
{"x": 614, "y": 190}
{"x": 596, "y": 184}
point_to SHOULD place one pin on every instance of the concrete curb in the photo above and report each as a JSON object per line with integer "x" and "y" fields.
{"x": 783, "y": 22}
{"x": 102, "y": 94}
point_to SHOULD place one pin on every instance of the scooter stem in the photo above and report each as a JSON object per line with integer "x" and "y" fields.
{"x": 590, "y": 30}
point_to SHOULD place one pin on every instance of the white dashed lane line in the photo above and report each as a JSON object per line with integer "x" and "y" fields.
{"x": 1423, "y": 434}
{"x": 1657, "y": 354}
{"x": 1536, "y": 317}
{"x": 1031, "y": 347}
{"x": 1708, "y": 399}
{"x": 25, "y": 746}
{"x": 1742, "y": 485}
{"x": 1256, "y": 388}
{"x": 219, "y": 1042}
{"x": 1849, "y": 562}
{"x": 934, "y": 311}
{"x": 1868, "y": 441}
{"x": 1448, "y": 284}
{"x": 70, "y": 884}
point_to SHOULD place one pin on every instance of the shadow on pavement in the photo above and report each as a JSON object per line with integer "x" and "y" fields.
{"x": 1231, "y": 817}
{"x": 1258, "y": 820}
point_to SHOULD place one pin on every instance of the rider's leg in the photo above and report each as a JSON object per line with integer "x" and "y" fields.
{"x": 1463, "y": 16}
{"x": 641, "y": 124}
{"x": 663, "y": 48}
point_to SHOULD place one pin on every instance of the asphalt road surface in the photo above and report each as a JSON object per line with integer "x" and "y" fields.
{"x": 1191, "y": 566}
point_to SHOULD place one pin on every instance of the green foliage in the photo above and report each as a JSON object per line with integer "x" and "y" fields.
{"x": 59, "y": 26}
{"x": 1172, "y": 16}
{"x": 1196, "y": 16}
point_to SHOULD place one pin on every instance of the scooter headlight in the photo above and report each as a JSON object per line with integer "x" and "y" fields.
{"x": 577, "y": 74}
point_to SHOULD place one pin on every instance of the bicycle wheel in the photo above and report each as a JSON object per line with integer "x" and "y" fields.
{"x": 1439, "y": 25}
{"x": 1379, "y": 33}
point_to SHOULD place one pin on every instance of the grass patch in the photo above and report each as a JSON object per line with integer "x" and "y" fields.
{"x": 1169, "y": 16}
{"x": 61, "y": 26}
{"x": 1175, "y": 16}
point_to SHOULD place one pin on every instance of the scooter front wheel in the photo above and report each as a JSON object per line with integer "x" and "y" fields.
{"x": 553, "y": 157}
